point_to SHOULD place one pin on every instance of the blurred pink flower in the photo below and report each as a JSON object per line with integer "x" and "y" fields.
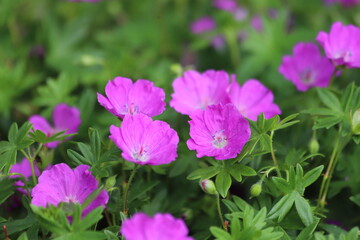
{"x": 227, "y": 5}
{"x": 307, "y": 68}
{"x": 144, "y": 141}
{"x": 24, "y": 168}
{"x": 65, "y": 118}
{"x": 204, "y": 24}
{"x": 341, "y": 45}
{"x": 252, "y": 99}
{"x": 219, "y": 131}
{"x": 125, "y": 97}
{"x": 162, "y": 226}
{"x": 196, "y": 90}
{"x": 62, "y": 184}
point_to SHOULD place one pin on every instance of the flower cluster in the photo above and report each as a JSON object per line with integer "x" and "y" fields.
{"x": 307, "y": 68}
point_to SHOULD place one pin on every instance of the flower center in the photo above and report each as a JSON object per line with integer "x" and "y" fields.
{"x": 71, "y": 199}
{"x": 307, "y": 76}
{"x": 141, "y": 153}
{"x": 219, "y": 139}
{"x": 131, "y": 109}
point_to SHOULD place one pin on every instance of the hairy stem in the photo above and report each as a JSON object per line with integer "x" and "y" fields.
{"x": 273, "y": 154}
{"x": 219, "y": 211}
{"x": 126, "y": 192}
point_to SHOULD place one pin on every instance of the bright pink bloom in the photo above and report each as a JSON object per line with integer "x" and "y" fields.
{"x": 252, "y": 99}
{"x": 227, "y": 5}
{"x": 219, "y": 131}
{"x": 24, "y": 168}
{"x": 197, "y": 91}
{"x": 62, "y": 184}
{"x": 65, "y": 118}
{"x": 307, "y": 68}
{"x": 162, "y": 226}
{"x": 125, "y": 97}
{"x": 341, "y": 45}
{"x": 144, "y": 141}
{"x": 204, "y": 24}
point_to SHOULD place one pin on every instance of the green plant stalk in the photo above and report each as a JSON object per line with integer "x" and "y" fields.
{"x": 273, "y": 154}
{"x": 126, "y": 192}
{"x": 325, "y": 184}
{"x": 231, "y": 40}
{"x": 219, "y": 211}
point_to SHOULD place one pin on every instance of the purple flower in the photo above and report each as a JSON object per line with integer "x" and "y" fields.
{"x": 24, "y": 168}
{"x": 256, "y": 23}
{"x": 162, "y": 226}
{"x": 219, "y": 131}
{"x": 125, "y": 97}
{"x": 227, "y": 5}
{"x": 345, "y": 3}
{"x": 307, "y": 68}
{"x": 218, "y": 42}
{"x": 252, "y": 99}
{"x": 204, "y": 24}
{"x": 144, "y": 141}
{"x": 65, "y": 118}
{"x": 341, "y": 45}
{"x": 62, "y": 184}
{"x": 197, "y": 91}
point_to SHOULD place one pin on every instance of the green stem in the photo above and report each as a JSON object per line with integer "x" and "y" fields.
{"x": 273, "y": 154}
{"x": 219, "y": 211}
{"x": 325, "y": 184}
{"x": 127, "y": 189}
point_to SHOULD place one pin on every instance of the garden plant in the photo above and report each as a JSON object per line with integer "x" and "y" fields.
{"x": 180, "y": 119}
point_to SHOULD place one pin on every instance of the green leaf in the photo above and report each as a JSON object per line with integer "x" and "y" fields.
{"x": 282, "y": 185}
{"x": 329, "y": 99}
{"x": 88, "y": 235}
{"x": 77, "y": 158}
{"x": 13, "y": 132}
{"x": 326, "y": 122}
{"x": 307, "y": 232}
{"x": 235, "y": 228}
{"x": 7, "y": 159}
{"x": 203, "y": 173}
{"x": 5, "y": 146}
{"x": 220, "y": 234}
{"x": 223, "y": 183}
{"x": 311, "y": 176}
{"x": 95, "y": 143}
{"x": 23, "y": 236}
{"x": 282, "y": 207}
{"x": 304, "y": 210}
{"x": 356, "y": 199}
{"x": 235, "y": 172}
{"x": 246, "y": 171}
{"x": 90, "y": 219}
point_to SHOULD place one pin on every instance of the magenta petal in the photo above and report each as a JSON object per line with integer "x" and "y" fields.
{"x": 40, "y": 123}
{"x": 159, "y": 227}
{"x": 66, "y": 118}
{"x": 144, "y": 141}
{"x": 61, "y": 184}
{"x": 219, "y": 131}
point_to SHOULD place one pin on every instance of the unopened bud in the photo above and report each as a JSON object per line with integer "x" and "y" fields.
{"x": 256, "y": 189}
{"x": 314, "y": 145}
{"x": 208, "y": 186}
{"x": 355, "y": 122}
{"x": 110, "y": 182}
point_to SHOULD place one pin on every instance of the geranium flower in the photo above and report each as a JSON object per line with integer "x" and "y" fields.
{"x": 24, "y": 168}
{"x": 162, "y": 226}
{"x": 252, "y": 99}
{"x": 125, "y": 97}
{"x": 307, "y": 68}
{"x": 65, "y": 118}
{"x": 195, "y": 91}
{"x": 62, "y": 184}
{"x": 144, "y": 141}
{"x": 219, "y": 131}
{"x": 341, "y": 45}
{"x": 202, "y": 25}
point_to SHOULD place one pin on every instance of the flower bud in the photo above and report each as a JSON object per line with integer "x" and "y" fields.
{"x": 355, "y": 122}
{"x": 110, "y": 182}
{"x": 314, "y": 145}
{"x": 256, "y": 189}
{"x": 208, "y": 186}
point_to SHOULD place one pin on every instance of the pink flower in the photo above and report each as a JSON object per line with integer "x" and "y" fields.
{"x": 144, "y": 141}
{"x": 197, "y": 91}
{"x": 204, "y": 24}
{"x": 24, "y": 168}
{"x": 341, "y": 45}
{"x": 227, "y": 5}
{"x": 65, "y": 118}
{"x": 125, "y": 97}
{"x": 61, "y": 184}
{"x": 159, "y": 227}
{"x": 257, "y": 23}
{"x": 307, "y": 68}
{"x": 252, "y": 99}
{"x": 219, "y": 131}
